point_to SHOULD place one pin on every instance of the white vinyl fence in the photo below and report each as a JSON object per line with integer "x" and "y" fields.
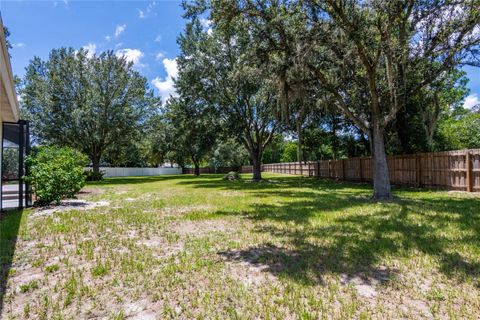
{"x": 132, "y": 172}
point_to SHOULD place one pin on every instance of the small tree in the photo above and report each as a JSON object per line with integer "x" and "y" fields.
{"x": 192, "y": 130}
{"x": 56, "y": 173}
{"x": 228, "y": 153}
{"x": 214, "y": 71}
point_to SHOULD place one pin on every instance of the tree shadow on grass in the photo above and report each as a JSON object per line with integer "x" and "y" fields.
{"x": 355, "y": 240}
{"x": 358, "y": 242}
{"x": 275, "y": 183}
{"x": 9, "y": 226}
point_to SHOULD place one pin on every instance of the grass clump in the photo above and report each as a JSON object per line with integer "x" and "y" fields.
{"x": 100, "y": 269}
{"x": 52, "y": 268}
{"x": 32, "y": 285}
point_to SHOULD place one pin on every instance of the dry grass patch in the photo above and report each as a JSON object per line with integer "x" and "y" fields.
{"x": 182, "y": 210}
{"x": 197, "y": 228}
{"x": 67, "y": 205}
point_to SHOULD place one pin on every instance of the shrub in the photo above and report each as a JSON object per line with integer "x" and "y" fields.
{"x": 92, "y": 176}
{"x": 232, "y": 176}
{"x": 56, "y": 173}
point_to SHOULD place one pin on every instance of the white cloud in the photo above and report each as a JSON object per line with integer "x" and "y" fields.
{"x": 471, "y": 101}
{"x": 144, "y": 13}
{"x": 91, "y": 48}
{"x": 108, "y": 38}
{"x": 131, "y": 55}
{"x": 65, "y": 2}
{"x": 118, "y": 45}
{"x": 159, "y": 55}
{"x": 120, "y": 29}
{"x": 18, "y": 45}
{"x": 207, "y": 24}
{"x": 158, "y": 38}
{"x": 166, "y": 86}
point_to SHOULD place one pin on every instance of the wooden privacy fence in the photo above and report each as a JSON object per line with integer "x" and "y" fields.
{"x": 458, "y": 170}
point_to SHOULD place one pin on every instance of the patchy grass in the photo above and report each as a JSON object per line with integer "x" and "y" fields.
{"x": 201, "y": 247}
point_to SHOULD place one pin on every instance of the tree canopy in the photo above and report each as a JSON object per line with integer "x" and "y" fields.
{"x": 366, "y": 60}
{"x": 88, "y": 103}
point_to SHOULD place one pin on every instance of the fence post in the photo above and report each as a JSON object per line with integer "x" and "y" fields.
{"x": 469, "y": 166}
{"x": 343, "y": 169}
{"x": 318, "y": 169}
{"x": 329, "y": 170}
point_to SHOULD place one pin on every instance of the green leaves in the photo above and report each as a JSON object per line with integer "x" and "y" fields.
{"x": 56, "y": 173}
{"x": 192, "y": 130}
{"x": 88, "y": 103}
{"x": 219, "y": 71}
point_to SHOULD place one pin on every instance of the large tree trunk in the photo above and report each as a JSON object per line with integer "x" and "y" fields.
{"x": 381, "y": 180}
{"x": 96, "y": 167}
{"x": 256, "y": 158}
{"x": 197, "y": 168}
{"x": 256, "y": 166}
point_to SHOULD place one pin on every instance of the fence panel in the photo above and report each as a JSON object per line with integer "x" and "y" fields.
{"x": 131, "y": 172}
{"x": 458, "y": 170}
{"x": 476, "y": 171}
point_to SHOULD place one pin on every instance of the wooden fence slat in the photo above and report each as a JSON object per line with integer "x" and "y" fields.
{"x": 418, "y": 169}
{"x": 469, "y": 171}
{"x": 360, "y": 166}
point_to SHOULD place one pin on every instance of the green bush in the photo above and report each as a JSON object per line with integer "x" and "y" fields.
{"x": 56, "y": 173}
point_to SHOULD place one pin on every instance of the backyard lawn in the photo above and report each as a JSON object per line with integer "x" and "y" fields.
{"x": 200, "y": 247}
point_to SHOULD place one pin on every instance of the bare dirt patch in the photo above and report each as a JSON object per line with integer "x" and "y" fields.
{"x": 161, "y": 247}
{"x": 367, "y": 285}
{"x": 67, "y": 205}
{"x": 251, "y": 275}
{"x": 254, "y": 266}
{"x": 201, "y": 227}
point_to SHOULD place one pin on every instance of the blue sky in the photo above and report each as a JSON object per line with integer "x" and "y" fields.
{"x": 144, "y": 31}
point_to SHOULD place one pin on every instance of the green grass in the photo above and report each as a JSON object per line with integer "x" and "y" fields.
{"x": 290, "y": 247}
{"x": 32, "y": 285}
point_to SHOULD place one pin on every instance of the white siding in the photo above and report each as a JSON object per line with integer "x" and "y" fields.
{"x": 132, "y": 172}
